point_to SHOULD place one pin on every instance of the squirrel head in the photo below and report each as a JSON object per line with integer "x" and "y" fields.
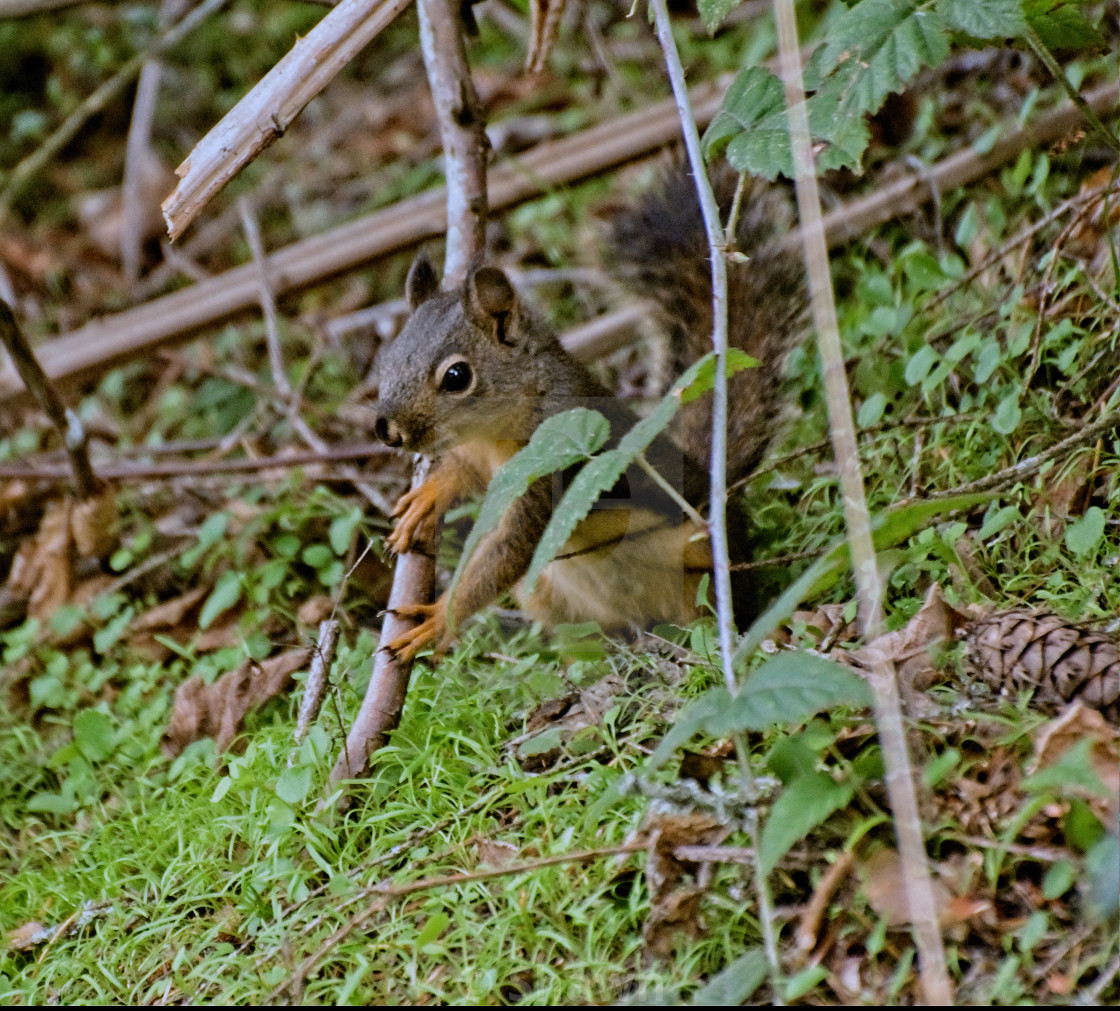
{"x": 460, "y": 369}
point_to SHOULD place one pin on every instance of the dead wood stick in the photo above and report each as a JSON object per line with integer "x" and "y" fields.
{"x": 66, "y": 422}
{"x": 462, "y": 131}
{"x": 189, "y": 468}
{"x": 103, "y": 343}
{"x": 269, "y": 108}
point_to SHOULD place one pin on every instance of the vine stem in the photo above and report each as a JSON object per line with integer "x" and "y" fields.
{"x": 717, "y": 520}
{"x": 869, "y": 584}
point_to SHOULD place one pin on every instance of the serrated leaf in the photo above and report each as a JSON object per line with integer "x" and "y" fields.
{"x": 601, "y": 473}
{"x": 986, "y": 19}
{"x": 1061, "y": 26}
{"x": 787, "y": 688}
{"x": 559, "y": 442}
{"x": 1084, "y": 534}
{"x": 875, "y": 48}
{"x": 791, "y": 687}
{"x": 803, "y": 805}
{"x": 751, "y": 125}
{"x": 734, "y": 983}
{"x": 712, "y": 12}
{"x": 94, "y": 734}
{"x": 225, "y": 594}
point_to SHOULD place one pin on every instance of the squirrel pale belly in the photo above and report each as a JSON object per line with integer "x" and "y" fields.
{"x": 474, "y": 372}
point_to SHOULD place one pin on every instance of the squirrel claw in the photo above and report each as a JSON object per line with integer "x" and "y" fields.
{"x": 414, "y": 513}
{"x": 407, "y": 645}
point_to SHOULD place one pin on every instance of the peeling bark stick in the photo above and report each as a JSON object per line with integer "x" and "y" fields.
{"x": 269, "y": 108}
{"x": 462, "y": 130}
{"x": 103, "y": 343}
{"x": 67, "y": 423}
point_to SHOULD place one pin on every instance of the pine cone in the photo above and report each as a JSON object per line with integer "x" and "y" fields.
{"x": 1061, "y": 660}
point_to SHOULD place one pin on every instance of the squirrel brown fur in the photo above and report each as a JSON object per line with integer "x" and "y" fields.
{"x": 474, "y": 372}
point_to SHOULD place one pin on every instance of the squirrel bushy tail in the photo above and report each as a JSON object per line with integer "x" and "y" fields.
{"x": 658, "y": 249}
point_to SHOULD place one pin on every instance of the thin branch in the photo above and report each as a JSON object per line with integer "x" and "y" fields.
{"x": 316, "y": 682}
{"x": 869, "y": 583}
{"x": 462, "y": 130}
{"x": 1032, "y": 465}
{"x": 95, "y": 103}
{"x": 385, "y": 894}
{"x": 189, "y": 468}
{"x": 266, "y": 299}
{"x": 266, "y": 112}
{"x": 65, "y": 421}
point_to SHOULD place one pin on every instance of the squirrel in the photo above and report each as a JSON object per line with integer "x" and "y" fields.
{"x": 474, "y": 371}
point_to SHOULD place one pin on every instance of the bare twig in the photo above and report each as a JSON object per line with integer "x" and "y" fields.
{"x": 316, "y": 682}
{"x": 869, "y": 584}
{"x": 65, "y": 421}
{"x": 189, "y": 468}
{"x": 1033, "y": 464}
{"x": 266, "y": 299}
{"x": 387, "y": 893}
{"x": 462, "y": 129}
{"x": 68, "y": 130}
{"x": 266, "y": 112}
{"x": 717, "y": 522}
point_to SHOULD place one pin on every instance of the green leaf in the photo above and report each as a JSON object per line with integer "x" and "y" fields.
{"x": 803, "y": 805}
{"x": 293, "y": 785}
{"x": 559, "y": 442}
{"x": 601, "y": 473}
{"x": 342, "y": 529}
{"x": 985, "y": 19}
{"x": 1008, "y": 414}
{"x": 1074, "y": 768}
{"x": 1085, "y": 534}
{"x": 787, "y": 688}
{"x": 1061, "y": 26}
{"x": 436, "y": 925}
{"x": 1103, "y": 865}
{"x": 225, "y": 594}
{"x": 751, "y": 126}
{"x": 712, "y": 12}
{"x": 94, "y": 734}
{"x": 734, "y": 983}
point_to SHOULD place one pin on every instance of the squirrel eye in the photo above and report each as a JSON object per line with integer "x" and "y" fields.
{"x": 457, "y": 378}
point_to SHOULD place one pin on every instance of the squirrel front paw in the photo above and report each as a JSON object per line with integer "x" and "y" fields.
{"x": 415, "y": 514}
{"x": 432, "y": 628}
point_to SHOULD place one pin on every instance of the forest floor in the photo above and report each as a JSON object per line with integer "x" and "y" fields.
{"x": 164, "y": 837}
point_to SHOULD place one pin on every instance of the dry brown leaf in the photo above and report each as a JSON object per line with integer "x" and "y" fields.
{"x": 93, "y": 522}
{"x": 1076, "y": 724}
{"x": 171, "y": 612}
{"x": 911, "y": 648}
{"x": 808, "y": 926}
{"x": 562, "y": 720}
{"x": 1065, "y": 495}
{"x": 25, "y": 936}
{"x": 885, "y": 888}
{"x": 496, "y": 853}
{"x": 41, "y": 568}
{"x": 675, "y": 886}
{"x": 216, "y": 710}
{"x": 315, "y": 609}
{"x": 543, "y": 32}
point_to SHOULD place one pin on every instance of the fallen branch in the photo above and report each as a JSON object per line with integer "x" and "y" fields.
{"x": 190, "y": 468}
{"x": 269, "y": 108}
{"x": 66, "y": 422}
{"x": 462, "y": 131}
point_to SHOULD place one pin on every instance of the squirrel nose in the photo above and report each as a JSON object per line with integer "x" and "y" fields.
{"x": 388, "y": 433}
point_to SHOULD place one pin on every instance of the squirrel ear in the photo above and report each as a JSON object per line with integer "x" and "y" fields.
{"x": 422, "y": 282}
{"x": 490, "y": 298}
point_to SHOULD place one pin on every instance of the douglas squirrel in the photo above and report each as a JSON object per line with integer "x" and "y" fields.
{"x": 474, "y": 372}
